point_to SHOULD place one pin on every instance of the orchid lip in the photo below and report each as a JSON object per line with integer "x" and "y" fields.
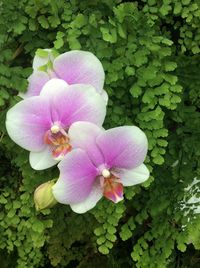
{"x": 58, "y": 140}
{"x": 111, "y": 186}
{"x": 113, "y": 189}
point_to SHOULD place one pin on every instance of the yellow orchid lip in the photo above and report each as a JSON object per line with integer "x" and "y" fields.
{"x": 60, "y": 151}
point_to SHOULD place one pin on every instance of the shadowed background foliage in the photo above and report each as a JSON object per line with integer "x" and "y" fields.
{"x": 150, "y": 53}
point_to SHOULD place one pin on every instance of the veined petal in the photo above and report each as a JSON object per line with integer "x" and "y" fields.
{"x": 74, "y": 103}
{"x": 27, "y": 122}
{"x": 123, "y": 147}
{"x": 91, "y": 201}
{"x": 80, "y": 67}
{"x": 36, "y": 81}
{"x": 77, "y": 176}
{"x": 129, "y": 177}
{"x": 83, "y": 135}
{"x": 42, "y": 160}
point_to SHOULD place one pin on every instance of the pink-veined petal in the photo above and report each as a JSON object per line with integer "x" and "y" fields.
{"x": 83, "y": 135}
{"x": 36, "y": 81}
{"x": 80, "y": 67}
{"x": 74, "y": 103}
{"x": 27, "y": 122}
{"x": 123, "y": 147}
{"x": 77, "y": 176}
{"x": 129, "y": 177}
{"x": 90, "y": 202}
{"x": 42, "y": 160}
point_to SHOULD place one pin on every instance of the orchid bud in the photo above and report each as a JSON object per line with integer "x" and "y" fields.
{"x": 43, "y": 59}
{"x": 43, "y": 196}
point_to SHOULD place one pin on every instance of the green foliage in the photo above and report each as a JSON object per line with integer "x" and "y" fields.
{"x": 149, "y": 50}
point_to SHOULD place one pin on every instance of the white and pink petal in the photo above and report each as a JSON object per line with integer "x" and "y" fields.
{"x": 90, "y": 202}
{"x": 53, "y": 88}
{"x": 74, "y": 103}
{"x": 80, "y": 67}
{"x": 123, "y": 147}
{"x": 130, "y": 177}
{"x": 104, "y": 95}
{"x": 42, "y": 160}
{"x": 77, "y": 176}
{"x": 83, "y": 135}
{"x": 27, "y": 123}
{"x": 35, "y": 83}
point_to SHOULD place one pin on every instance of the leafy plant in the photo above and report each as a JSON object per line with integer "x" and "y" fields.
{"x": 149, "y": 50}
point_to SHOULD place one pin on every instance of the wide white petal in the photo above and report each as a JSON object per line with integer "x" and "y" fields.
{"x": 104, "y": 95}
{"x": 130, "y": 177}
{"x": 90, "y": 202}
{"x": 42, "y": 160}
{"x": 52, "y": 87}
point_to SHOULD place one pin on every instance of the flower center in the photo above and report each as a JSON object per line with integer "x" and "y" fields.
{"x": 105, "y": 173}
{"x": 58, "y": 140}
{"x": 112, "y": 188}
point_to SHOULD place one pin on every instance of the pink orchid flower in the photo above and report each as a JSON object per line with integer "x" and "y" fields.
{"x": 40, "y": 124}
{"x": 103, "y": 162}
{"x": 74, "y": 67}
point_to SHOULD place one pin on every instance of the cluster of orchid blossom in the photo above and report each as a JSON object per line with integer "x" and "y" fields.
{"x": 60, "y": 121}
